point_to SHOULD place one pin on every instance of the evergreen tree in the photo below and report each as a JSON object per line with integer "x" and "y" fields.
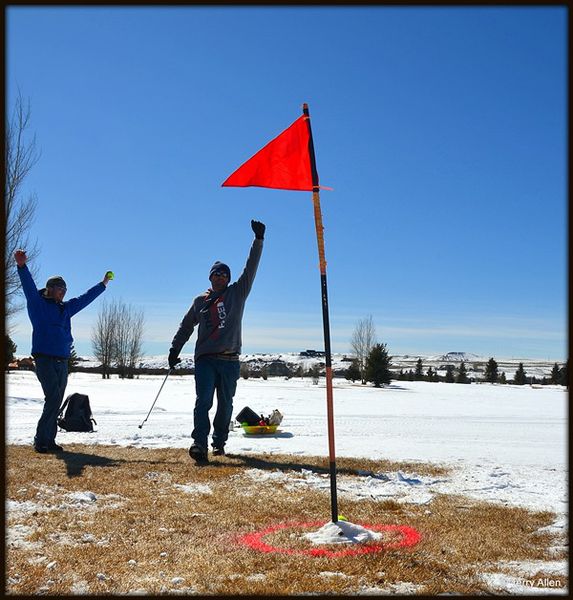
{"x": 314, "y": 373}
{"x": 419, "y": 373}
{"x": 564, "y": 374}
{"x": 555, "y": 373}
{"x": 520, "y": 376}
{"x": 244, "y": 370}
{"x": 73, "y": 361}
{"x": 265, "y": 372}
{"x": 462, "y": 374}
{"x": 411, "y": 375}
{"x": 502, "y": 378}
{"x": 431, "y": 374}
{"x": 353, "y": 371}
{"x": 450, "y": 374}
{"x": 10, "y": 351}
{"x": 378, "y": 365}
{"x": 491, "y": 374}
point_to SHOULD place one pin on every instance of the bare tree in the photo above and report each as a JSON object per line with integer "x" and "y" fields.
{"x": 135, "y": 347}
{"x": 362, "y": 341}
{"x": 120, "y": 336}
{"x": 103, "y": 337}
{"x": 20, "y": 156}
{"x": 127, "y": 338}
{"x": 117, "y": 338}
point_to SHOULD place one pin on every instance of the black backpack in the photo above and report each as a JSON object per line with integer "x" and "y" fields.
{"x": 78, "y": 415}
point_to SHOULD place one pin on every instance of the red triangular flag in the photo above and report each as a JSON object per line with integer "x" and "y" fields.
{"x": 284, "y": 163}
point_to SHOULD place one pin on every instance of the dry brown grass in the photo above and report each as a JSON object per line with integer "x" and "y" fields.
{"x": 143, "y": 516}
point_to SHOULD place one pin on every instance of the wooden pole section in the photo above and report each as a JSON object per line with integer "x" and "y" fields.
{"x": 325, "y": 319}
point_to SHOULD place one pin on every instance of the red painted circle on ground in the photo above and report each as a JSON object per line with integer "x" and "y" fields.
{"x": 410, "y": 537}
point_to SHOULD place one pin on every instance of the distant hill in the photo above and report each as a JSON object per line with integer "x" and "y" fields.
{"x": 284, "y": 363}
{"x": 458, "y": 357}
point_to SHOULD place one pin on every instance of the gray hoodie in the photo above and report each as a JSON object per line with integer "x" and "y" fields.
{"x": 219, "y": 315}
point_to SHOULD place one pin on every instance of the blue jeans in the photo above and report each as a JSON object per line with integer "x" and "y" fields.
{"x": 53, "y": 375}
{"x": 212, "y": 373}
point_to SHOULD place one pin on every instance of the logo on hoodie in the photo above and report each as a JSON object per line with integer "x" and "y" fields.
{"x": 221, "y": 314}
{"x": 215, "y": 316}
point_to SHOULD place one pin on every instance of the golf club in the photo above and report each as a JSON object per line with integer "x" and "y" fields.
{"x": 159, "y": 392}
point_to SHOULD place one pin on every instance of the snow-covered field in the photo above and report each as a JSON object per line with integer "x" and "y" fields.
{"x": 505, "y": 444}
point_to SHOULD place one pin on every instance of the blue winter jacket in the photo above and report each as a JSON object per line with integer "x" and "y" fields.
{"x": 51, "y": 321}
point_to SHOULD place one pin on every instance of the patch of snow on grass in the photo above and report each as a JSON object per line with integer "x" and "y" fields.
{"x": 557, "y": 567}
{"x": 194, "y": 488}
{"x": 17, "y": 537}
{"x": 342, "y": 532}
{"x": 82, "y": 497}
{"x": 401, "y": 588}
{"x": 334, "y": 574}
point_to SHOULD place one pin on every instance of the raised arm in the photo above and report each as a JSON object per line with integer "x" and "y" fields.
{"x": 245, "y": 281}
{"x": 28, "y": 285}
{"x": 79, "y": 303}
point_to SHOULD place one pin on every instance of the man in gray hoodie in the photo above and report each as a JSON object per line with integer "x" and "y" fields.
{"x": 218, "y": 312}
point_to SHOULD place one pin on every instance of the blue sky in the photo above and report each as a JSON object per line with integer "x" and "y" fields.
{"x": 442, "y": 130}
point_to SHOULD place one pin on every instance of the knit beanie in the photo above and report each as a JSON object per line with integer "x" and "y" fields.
{"x": 219, "y": 266}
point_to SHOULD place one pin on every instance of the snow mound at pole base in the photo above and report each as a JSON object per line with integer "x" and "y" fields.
{"x": 342, "y": 532}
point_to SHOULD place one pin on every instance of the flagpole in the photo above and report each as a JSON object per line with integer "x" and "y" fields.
{"x": 325, "y": 318}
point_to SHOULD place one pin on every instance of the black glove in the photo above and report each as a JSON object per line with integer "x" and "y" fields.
{"x": 259, "y": 229}
{"x": 173, "y": 359}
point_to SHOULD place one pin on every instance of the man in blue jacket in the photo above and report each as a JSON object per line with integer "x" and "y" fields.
{"x": 51, "y": 343}
{"x": 218, "y": 314}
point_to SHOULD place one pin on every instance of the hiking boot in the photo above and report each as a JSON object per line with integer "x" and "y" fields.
{"x": 41, "y": 449}
{"x": 198, "y": 453}
{"x": 55, "y": 448}
{"x": 218, "y": 451}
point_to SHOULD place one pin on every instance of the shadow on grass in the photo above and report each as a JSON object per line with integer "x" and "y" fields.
{"x": 76, "y": 462}
{"x": 256, "y": 462}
